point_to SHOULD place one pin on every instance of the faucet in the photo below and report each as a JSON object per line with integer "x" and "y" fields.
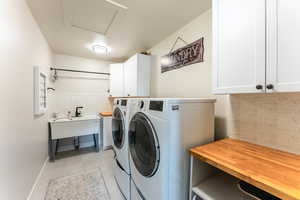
{"x": 78, "y": 111}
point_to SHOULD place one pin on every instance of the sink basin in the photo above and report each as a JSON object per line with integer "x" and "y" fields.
{"x": 76, "y": 126}
{"x": 86, "y": 117}
{"x": 61, "y": 120}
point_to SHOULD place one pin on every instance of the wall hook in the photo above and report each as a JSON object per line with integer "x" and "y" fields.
{"x": 50, "y": 88}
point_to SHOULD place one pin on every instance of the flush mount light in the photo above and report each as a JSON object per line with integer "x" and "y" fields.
{"x": 101, "y": 49}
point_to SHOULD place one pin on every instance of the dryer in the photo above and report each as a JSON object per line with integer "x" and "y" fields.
{"x": 120, "y": 120}
{"x": 161, "y": 132}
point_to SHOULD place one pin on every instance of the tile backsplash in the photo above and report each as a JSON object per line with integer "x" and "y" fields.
{"x": 267, "y": 119}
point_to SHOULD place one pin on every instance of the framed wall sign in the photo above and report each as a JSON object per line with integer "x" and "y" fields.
{"x": 40, "y": 91}
{"x": 190, "y": 54}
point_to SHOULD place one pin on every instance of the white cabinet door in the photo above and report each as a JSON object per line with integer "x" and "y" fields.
{"x": 283, "y": 45}
{"x": 117, "y": 80}
{"x": 107, "y": 132}
{"x": 130, "y": 76}
{"x": 144, "y": 74}
{"x": 239, "y": 46}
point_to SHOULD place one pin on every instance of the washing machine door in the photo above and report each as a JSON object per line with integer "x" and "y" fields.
{"x": 118, "y": 128}
{"x": 143, "y": 145}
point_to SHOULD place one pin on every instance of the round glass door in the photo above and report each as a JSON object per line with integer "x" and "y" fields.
{"x": 118, "y": 132}
{"x": 143, "y": 145}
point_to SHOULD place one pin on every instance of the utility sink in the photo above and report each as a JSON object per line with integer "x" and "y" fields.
{"x": 86, "y": 117}
{"x": 76, "y": 126}
{"x": 73, "y": 127}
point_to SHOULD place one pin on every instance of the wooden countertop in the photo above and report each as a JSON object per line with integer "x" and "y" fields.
{"x": 274, "y": 171}
{"x": 106, "y": 114}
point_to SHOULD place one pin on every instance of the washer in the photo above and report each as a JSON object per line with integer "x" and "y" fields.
{"x": 120, "y": 120}
{"x": 161, "y": 132}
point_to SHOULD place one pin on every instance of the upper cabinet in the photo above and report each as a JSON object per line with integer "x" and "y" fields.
{"x": 117, "y": 80}
{"x": 255, "y": 46}
{"x": 131, "y": 78}
{"x": 283, "y": 46}
{"x": 238, "y": 46}
{"x": 137, "y": 71}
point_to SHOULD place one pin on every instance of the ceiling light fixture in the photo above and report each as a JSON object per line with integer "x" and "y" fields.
{"x": 101, "y": 49}
{"x": 117, "y": 4}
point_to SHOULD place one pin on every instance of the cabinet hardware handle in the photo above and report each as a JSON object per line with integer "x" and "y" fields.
{"x": 270, "y": 86}
{"x": 259, "y": 87}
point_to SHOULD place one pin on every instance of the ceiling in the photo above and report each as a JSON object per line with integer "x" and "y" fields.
{"x": 72, "y": 26}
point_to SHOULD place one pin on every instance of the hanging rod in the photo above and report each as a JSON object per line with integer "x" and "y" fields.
{"x": 79, "y": 71}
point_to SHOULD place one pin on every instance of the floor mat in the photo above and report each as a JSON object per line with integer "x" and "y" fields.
{"x": 84, "y": 186}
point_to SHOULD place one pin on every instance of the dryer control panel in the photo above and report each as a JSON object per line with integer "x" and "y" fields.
{"x": 156, "y": 105}
{"x": 124, "y": 103}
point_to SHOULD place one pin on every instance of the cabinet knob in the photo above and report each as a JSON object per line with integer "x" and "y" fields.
{"x": 259, "y": 87}
{"x": 270, "y": 86}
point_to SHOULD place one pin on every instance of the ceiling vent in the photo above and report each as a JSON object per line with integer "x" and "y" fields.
{"x": 91, "y": 15}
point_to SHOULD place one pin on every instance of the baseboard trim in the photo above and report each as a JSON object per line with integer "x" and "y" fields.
{"x": 37, "y": 178}
{"x": 107, "y": 147}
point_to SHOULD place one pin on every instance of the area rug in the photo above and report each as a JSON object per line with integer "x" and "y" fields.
{"x": 84, "y": 186}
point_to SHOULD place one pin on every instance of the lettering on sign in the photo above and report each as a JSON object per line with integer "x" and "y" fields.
{"x": 187, "y": 55}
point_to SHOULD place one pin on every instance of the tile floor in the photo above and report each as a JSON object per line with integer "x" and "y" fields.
{"x": 72, "y": 163}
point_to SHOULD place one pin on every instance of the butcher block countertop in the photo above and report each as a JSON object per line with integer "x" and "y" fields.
{"x": 274, "y": 171}
{"x": 106, "y": 114}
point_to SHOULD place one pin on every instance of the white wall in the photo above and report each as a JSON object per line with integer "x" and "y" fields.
{"x": 193, "y": 80}
{"x": 79, "y": 89}
{"x": 23, "y": 144}
{"x": 266, "y": 119}
{"x": 190, "y": 81}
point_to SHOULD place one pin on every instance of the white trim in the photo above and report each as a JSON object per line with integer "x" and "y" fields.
{"x": 37, "y": 179}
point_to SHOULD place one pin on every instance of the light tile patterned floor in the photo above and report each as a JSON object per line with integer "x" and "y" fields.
{"x": 71, "y": 163}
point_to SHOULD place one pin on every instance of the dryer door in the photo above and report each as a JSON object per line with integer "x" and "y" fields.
{"x": 143, "y": 145}
{"x": 118, "y": 128}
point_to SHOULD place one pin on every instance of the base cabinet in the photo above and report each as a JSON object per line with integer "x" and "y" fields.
{"x": 107, "y": 133}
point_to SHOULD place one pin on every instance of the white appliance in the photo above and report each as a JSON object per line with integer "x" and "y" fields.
{"x": 161, "y": 132}
{"x": 120, "y": 120}
{"x": 107, "y": 136}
